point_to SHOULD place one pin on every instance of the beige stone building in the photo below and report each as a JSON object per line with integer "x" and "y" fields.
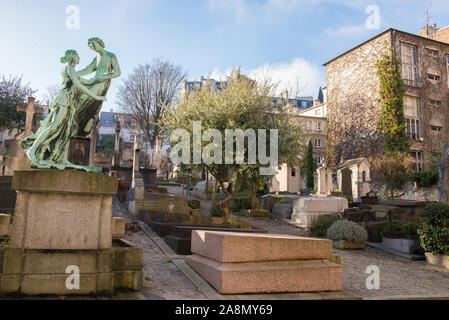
{"x": 313, "y": 120}
{"x": 353, "y": 91}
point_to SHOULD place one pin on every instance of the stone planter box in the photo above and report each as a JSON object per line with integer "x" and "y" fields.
{"x": 440, "y": 260}
{"x": 348, "y": 245}
{"x": 282, "y": 211}
{"x": 402, "y": 245}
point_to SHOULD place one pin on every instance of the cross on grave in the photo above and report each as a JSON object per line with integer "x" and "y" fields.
{"x": 116, "y": 159}
{"x": 30, "y": 111}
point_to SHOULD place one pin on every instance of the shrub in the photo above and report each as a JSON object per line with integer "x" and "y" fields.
{"x": 410, "y": 230}
{"x": 347, "y": 230}
{"x": 426, "y": 179}
{"x": 240, "y": 204}
{"x": 194, "y": 204}
{"x": 434, "y": 229}
{"x": 321, "y": 224}
{"x": 392, "y": 231}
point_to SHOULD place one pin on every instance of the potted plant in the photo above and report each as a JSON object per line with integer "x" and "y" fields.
{"x": 434, "y": 234}
{"x": 347, "y": 235}
{"x": 403, "y": 238}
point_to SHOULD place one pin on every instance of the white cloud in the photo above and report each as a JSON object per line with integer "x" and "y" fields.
{"x": 347, "y": 30}
{"x": 297, "y": 74}
{"x": 245, "y": 7}
{"x": 240, "y": 7}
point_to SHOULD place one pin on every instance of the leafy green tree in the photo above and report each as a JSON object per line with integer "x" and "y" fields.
{"x": 107, "y": 141}
{"x": 311, "y": 166}
{"x": 12, "y": 93}
{"x": 242, "y": 104}
{"x": 392, "y": 119}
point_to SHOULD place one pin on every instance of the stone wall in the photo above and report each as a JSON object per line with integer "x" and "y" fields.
{"x": 353, "y": 93}
{"x": 420, "y": 194}
{"x": 353, "y": 107}
{"x": 428, "y": 90}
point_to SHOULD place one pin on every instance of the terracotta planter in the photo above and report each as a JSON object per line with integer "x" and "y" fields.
{"x": 348, "y": 245}
{"x": 402, "y": 245}
{"x": 440, "y": 260}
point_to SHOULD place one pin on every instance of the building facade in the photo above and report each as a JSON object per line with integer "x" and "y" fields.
{"x": 353, "y": 97}
{"x": 313, "y": 120}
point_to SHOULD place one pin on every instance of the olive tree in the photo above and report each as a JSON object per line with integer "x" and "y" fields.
{"x": 244, "y": 106}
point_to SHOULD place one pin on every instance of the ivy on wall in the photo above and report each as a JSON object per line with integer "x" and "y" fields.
{"x": 392, "y": 120}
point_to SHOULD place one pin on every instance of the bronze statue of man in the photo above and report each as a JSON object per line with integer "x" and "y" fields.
{"x": 106, "y": 68}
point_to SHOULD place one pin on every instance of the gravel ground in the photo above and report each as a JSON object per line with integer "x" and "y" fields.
{"x": 170, "y": 282}
{"x": 398, "y": 277}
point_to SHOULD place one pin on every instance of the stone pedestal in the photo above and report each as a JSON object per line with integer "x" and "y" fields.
{"x": 237, "y": 263}
{"x": 66, "y": 210}
{"x": 305, "y": 210}
{"x": 118, "y": 228}
{"x": 62, "y": 219}
{"x": 5, "y": 220}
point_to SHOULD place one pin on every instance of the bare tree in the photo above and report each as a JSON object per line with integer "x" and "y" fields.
{"x": 146, "y": 94}
{"x": 52, "y": 91}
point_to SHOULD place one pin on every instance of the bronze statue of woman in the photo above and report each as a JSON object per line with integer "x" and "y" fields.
{"x": 48, "y": 148}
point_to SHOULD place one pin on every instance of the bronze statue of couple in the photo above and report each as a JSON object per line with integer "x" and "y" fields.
{"x": 75, "y": 109}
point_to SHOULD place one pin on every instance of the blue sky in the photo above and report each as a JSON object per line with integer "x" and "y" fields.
{"x": 290, "y": 39}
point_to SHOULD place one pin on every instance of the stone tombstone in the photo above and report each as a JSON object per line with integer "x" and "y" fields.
{"x": 325, "y": 180}
{"x": 17, "y": 158}
{"x": 443, "y": 183}
{"x": 346, "y": 182}
{"x": 136, "y": 156}
{"x": 409, "y": 189}
{"x": 116, "y": 159}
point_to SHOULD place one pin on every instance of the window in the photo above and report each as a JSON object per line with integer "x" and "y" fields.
{"x": 318, "y": 126}
{"x": 409, "y": 64}
{"x": 436, "y": 129}
{"x": 310, "y": 125}
{"x": 418, "y": 156}
{"x": 304, "y": 104}
{"x": 413, "y": 129}
{"x": 412, "y": 117}
{"x": 293, "y": 172}
{"x": 319, "y": 160}
{"x": 435, "y": 103}
{"x": 318, "y": 143}
{"x": 433, "y": 77}
{"x": 411, "y": 107}
{"x": 317, "y": 112}
{"x": 447, "y": 67}
{"x": 432, "y": 52}
{"x": 364, "y": 177}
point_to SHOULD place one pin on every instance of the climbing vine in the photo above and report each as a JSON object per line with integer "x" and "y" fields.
{"x": 392, "y": 120}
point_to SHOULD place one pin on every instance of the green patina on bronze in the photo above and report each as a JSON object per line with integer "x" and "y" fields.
{"x": 74, "y": 111}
